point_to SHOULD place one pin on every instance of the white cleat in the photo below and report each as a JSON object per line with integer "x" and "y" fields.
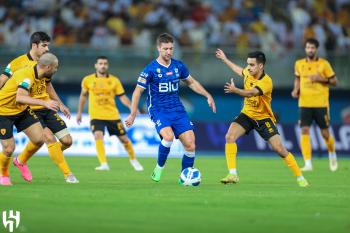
{"x": 136, "y": 165}
{"x": 102, "y": 167}
{"x": 306, "y": 169}
{"x": 333, "y": 164}
{"x": 71, "y": 179}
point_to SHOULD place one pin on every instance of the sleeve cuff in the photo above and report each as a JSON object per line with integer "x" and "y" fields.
{"x": 139, "y": 85}
{"x": 121, "y": 94}
{"x": 23, "y": 87}
{"x": 7, "y": 74}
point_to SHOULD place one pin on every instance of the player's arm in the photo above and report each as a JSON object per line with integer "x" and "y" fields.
{"x": 135, "y": 99}
{"x": 318, "y": 78}
{"x": 198, "y": 88}
{"x": 53, "y": 95}
{"x": 231, "y": 88}
{"x": 3, "y": 80}
{"x": 237, "y": 69}
{"x": 81, "y": 103}
{"x": 126, "y": 101}
{"x": 296, "y": 88}
{"x": 23, "y": 97}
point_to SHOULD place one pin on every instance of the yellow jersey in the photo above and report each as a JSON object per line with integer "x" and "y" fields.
{"x": 313, "y": 94}
{"x": 102, "y": 92}
{"x": 258, "y": 107}
{"x": 26, "y": 78}
{"x": 22, "y": 62}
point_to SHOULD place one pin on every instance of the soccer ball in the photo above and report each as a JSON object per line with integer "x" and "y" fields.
{"x": 190, "y": 177}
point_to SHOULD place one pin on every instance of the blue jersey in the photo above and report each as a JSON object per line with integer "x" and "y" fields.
{"x": 163, "y": 86}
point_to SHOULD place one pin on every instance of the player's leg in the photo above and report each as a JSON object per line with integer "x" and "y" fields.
{"x": 322, "y": 120}
{"x": 8, "y": 147}
{"x": 29, "y": 123}
{"x": 306, "y": 117}
{"x": 187, "y": 139}
{"x": 167, "y": 136}
{"x": 241, "y": 125}
{"x": 116, "y": 127}
{"x": 56, "y": 154}
{"x": 276, "y": 144}
{"x": 98, "y": 127}
{"x": 65, "y": 141}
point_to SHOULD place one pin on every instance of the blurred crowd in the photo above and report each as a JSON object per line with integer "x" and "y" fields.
{"x": 270, "y": 25}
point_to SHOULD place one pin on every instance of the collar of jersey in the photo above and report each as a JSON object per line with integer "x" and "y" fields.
{"x": 29, "y": 56}
{"x": 102, "y": 77}
{"x": 307, "y": 60}
{"x": 164, "y": 65}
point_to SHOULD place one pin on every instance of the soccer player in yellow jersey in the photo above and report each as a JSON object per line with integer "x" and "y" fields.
{"x": 52, "y": 123}
{"x": 313, "y": 76}
{"x": 256, "y": 114}
{"x": 15, "y": 96}
{"x": 102, "y": 87}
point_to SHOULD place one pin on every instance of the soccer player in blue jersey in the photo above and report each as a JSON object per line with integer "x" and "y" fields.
{"x": 161, "y": 79}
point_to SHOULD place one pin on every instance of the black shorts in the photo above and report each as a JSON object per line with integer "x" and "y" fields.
{"x": 114, "y": 127}
{"x": 320, "y": 115}
{"x": 50, "y": 119}
{"x": 22, "y": 121}
{"x": 265, "y": 127}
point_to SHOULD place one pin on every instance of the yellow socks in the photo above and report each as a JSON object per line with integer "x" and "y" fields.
{"x": 305, "y": 145}
{"x": 100, "y": 148}
{"x": 231, "y": 152}
{"x": 4, "y": 164}
{"x": 57, "y": 156}
{"x": 330, "y": 144}
{"x": 28, "y": 152}
{"x": 292, "y": 164}
{"x": 128, "y": 147}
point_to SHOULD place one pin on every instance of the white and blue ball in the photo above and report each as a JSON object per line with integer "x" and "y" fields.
{"x": 190, "y": 177}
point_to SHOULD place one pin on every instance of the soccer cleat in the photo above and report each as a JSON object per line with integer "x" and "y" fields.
{"x": 25, "y": 172}
{"x": 136, "y": 165}
{"x": 303, "y": 183}
{"x": 230, "y": 179}
{"x": 157, "y": 173}
{"x": 5, "y": 181}
{"x": 71, "y": 179}
{"x": 102, "y": 167}
{"x": 306, "y": 168}
{"x": 333, "y": 164}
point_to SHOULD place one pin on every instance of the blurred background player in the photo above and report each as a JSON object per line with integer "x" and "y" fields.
{"x": 52, "y": 123}
{"x": 161, "y": 77}
{"x": 102, "y": 88}
{"x": 313, "y": 76}
{"x": 15, "y": 96}
{"x": 256, "y": 114}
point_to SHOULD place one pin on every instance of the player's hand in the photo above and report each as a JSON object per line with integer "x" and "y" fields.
{"x": 220, "y": 54}
{"x": 229, "y": 87}
{"x": 52, "y": 105}
{"x": 295, "y": 93}
{"x": 65, "y": 111}
{"x": 130, "y": 120}
{"x": 211, "y": 103}
{"x": 78, "y": 118}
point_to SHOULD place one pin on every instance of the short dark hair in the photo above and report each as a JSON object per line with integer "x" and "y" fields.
{"x": 312, "y": 41}
{"x": 101, "y": 57}
{"x": 165, "y": 38}
{"x": 38, "y": 37}
{"x": 258, "y": 55}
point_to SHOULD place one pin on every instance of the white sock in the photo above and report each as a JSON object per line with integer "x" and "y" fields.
{"x": 157, "y": 166}
{"x": 332, "y": 155}
{"x": 300, "y": 178}
{"x": 233, "y": 171}
{"x": 308, "y": 163}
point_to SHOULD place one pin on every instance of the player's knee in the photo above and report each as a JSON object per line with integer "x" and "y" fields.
{"x": 168, "y": 137}
{"x": 190, "y": 147}
{"x": 38, "y": 141}
{"x": 124, "y": 139}
{"x": 8, "y": 150}
{"x": 67, "y": 141}
{"x": 98, "y": 135}
{"x": 230, "y": 138}
{"x": 280, "y": 150}
{"x": 325, "y": 133}
{"x": 305, "y": 130}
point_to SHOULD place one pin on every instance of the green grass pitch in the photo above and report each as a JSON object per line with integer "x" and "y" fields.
{"x": 267, "y": 199}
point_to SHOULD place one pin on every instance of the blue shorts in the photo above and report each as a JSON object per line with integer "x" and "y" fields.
{"x": 178, "y": 121}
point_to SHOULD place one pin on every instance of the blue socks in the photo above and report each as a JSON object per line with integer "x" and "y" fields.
{"x": 188, "y": 159}
{"x": 163, "y": 152}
